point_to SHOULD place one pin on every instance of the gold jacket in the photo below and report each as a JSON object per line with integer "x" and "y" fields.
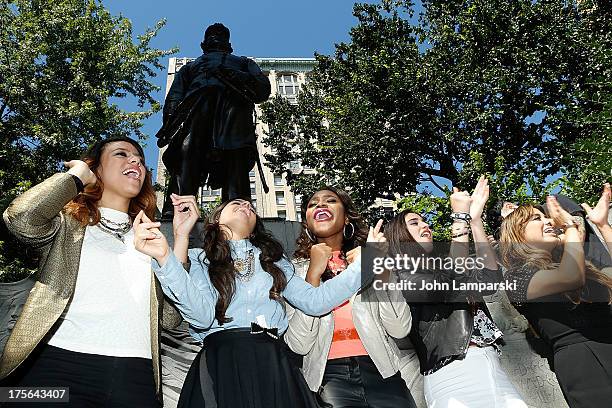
{"x": 37, "y": 219}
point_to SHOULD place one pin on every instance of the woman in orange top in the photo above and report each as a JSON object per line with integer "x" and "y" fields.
{"x": 349, "y": 359}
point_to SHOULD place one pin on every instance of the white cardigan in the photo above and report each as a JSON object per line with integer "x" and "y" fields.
{"x": 384, "y": 314}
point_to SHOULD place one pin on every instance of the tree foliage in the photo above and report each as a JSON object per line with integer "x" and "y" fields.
{"x": 64, "y": 65}
{"x": 592, "y": 155}
{"x": 468, "y": 87}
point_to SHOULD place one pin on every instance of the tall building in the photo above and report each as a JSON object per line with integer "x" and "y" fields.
{"x": 286, "y": 76}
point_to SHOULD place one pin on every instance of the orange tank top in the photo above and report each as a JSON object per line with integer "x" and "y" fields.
{"x": 345, "y": 341}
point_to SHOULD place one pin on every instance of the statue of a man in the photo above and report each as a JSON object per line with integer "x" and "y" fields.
{"x": 209, "y": 121}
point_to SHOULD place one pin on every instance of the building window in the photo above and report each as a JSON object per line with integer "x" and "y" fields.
{"x": 282, "y": 214}
{"x": 288, "y": 86}
{"x": 252, "y": 173}
{"x": 280, "y": 197}
{"x": 254, "y": 203}
{"x": 207, "y": 192}
{"x": 278, "y": 180}
{"x": 253, "y": 192}
{"x": 298, "y": 215}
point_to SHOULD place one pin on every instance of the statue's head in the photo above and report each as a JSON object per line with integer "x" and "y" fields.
{"x": 216, "y": 38}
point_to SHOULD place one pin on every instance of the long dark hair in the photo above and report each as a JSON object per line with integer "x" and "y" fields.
{"x": 397, "y": 232}
{"x": 360, "y": 235}
{"x": 221, "y": 265}
{"x": 84, "y": 207}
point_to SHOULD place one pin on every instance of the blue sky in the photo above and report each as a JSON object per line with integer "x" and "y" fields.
{"x": 269, "y": 28}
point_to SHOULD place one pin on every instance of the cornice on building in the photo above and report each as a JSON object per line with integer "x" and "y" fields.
{"x": 266, "y": 64}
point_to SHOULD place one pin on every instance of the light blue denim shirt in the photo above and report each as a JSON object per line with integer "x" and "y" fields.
{"x": 196, "y": 297}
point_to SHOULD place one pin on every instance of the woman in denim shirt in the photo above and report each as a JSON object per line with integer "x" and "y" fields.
{"x": 232, "y": 298}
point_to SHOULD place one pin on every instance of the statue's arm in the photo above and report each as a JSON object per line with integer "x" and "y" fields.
{"x": 176, "y": 93}
{"x": 253, "y": 81}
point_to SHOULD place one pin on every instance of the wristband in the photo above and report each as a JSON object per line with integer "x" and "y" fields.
{"x": 571, "y": 224}
{"x": 465, "y": 217}
{"x": 460, "y": 235}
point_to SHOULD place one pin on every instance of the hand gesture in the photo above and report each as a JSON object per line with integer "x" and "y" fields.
{"x": 80, "y": 169}
{"x": 375, "y": 235}
{"x": 479, "y": 198}
{"x": 186, "y": 214}
{"x": 599, "y": 214}
{"x": 460, "y": 201}
{"x": 320, "y": 254}
{"x": 560, "y": 217}
{"x": 148, "y": 239}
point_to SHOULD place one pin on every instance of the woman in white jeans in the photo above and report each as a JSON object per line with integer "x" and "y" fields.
{"x": 453, "y": 333}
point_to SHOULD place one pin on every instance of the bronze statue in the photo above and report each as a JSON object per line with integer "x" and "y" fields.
{"x": 209, "y": 121}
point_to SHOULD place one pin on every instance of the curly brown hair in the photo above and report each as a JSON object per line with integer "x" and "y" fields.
{"x": 218, "y": 258}
{"x": 304, "y": 243}
{"x": 84, "y": 207}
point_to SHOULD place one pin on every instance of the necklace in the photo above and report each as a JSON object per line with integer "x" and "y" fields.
{"x": 116, "y": 229}
{"x": 245, "y": 264}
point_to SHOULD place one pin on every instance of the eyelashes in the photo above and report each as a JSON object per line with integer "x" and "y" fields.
{"x": 314, "y": 203}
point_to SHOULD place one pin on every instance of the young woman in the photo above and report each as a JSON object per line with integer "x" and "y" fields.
{"x": 91, "y": 321}
{"x": 350, "y": 361}
{"x": 565, "y": 298}
{"x": 232, "y": 298}
{"x": 453, "y": 333}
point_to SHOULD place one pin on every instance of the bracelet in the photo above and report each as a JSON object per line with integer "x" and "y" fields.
{"x": 465, "y": 217}
{"x": 571, "y": 224}
{"x": 460, "y": 235}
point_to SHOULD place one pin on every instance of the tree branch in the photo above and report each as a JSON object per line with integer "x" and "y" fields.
{"x": 435, "y": 183}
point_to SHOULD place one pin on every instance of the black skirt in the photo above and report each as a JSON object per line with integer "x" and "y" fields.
{"x": 237, "y": 369}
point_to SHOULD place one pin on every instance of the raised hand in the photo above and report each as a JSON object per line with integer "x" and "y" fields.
{"x": 460, "y": 201}
{"x": 80, "y": 169}
{"x": 562, "y": 219}
{"x": 375, "y": 235}
{"x": 479, "y": 198}
{"x": 186, "y": 214}
{"x": 599, "y": 214}
{"x": 148, "y": 239}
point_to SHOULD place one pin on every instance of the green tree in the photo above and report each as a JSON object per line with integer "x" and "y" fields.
{"x": 479, "y": 86}
{"x": 591, "y": 160}
{"x": 63, "y": 66}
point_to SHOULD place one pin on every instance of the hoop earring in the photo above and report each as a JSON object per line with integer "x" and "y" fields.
{"x": 310, "y": 237}
{"x": 352, "y": 231}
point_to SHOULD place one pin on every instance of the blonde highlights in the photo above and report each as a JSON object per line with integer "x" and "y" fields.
{"x": 516, "y": 252}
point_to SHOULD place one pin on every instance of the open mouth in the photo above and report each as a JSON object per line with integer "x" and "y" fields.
{"x": 245, "y": 211}
{"x": 426, "y": 234}
{"x": 322, "y": 214}
{"x": 132, "y": 173}
{"x": 550, "y": 230}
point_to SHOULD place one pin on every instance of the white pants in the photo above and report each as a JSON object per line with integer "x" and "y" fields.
{"x": 474, "y": 382}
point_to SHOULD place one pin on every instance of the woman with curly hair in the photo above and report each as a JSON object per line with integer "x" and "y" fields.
{"x": 91, "y": 321}
{"x": 563, "y": 296}
{"x": 349, "y": 359}
{"x": 233, "y": 299}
